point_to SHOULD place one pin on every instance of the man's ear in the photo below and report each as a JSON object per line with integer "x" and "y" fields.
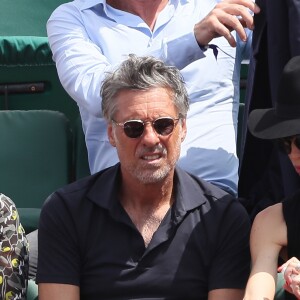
{"x": 183, "y": 130}
{"x": 110, "y": 134}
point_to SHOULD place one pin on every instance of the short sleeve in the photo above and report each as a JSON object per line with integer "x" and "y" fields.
{"x": 230, "y": 267}
{"x": 59, "y": 254}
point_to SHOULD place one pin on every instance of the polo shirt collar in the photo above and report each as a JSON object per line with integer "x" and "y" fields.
{"x": 86, "y": 4}
{"x": 104, "y": 192}
{"x": 189, "y": 195}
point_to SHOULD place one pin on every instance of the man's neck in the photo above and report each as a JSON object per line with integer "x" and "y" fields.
{"x": 147, "y": 205}
{"x": 141, "y": 196}
{"x": 147, "y": 10}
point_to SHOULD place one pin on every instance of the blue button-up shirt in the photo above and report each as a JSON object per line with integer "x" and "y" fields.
{"x": 89, "y": 38}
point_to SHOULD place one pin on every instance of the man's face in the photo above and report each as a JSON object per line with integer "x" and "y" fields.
{"x": 151, "y": 157}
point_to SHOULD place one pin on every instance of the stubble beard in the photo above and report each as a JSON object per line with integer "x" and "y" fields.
{"x": 157, "y": 173}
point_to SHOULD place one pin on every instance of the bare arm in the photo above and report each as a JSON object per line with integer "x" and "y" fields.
{"x": 50, "y": 291}
{"x": 227, "y": 15}
{"x": 265, "y": 245}
{"x": 226, "y": 294}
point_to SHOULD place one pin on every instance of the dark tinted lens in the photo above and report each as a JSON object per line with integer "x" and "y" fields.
{"x": 133, "y": 129}
{"x": 164, "y": 126}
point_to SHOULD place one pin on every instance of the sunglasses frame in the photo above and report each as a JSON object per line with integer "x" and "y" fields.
{"x": 285, "y": 144}
{"x": 144, "y": 123}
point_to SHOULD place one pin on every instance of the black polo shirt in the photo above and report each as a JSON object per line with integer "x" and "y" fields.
{"x": 87, "y": 239}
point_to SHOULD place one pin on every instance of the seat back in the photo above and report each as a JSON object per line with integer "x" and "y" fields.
{"x": 280, "y": 292}
{"x": 32, "y": 290}
{"x": 35, "y": 158}
{"x": 26, "y": 17}
{"x": 28, "y": 77}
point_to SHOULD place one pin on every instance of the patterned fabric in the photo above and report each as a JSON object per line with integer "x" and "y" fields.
{"x": 13, "y": 253}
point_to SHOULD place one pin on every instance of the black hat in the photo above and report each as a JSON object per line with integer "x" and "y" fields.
{"x": 284, "y": 119}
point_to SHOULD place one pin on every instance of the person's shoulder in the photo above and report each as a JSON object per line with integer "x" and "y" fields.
{"x": 7, "y": 209}
{"x": 262, "y": 231}
{"x": 208, "y": 188}
{"x": 210, "y": 193}
{"x": 270, "y": 217}
{"x": 78, "y": 5}
{"x": 71, "y": 8}
{"x": 8, "y": 215}
{"x": 77, "y": 190}
{"x": 5, "y": 201}
{"x": 270, "y": 211}
{"x": 215, "y": 204}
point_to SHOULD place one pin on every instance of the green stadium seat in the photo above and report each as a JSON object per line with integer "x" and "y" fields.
{"x": 35, "y": 159}
{"x": 280, "y": 293}
{"x": 32, "y": 291}
{"x": 28, "y": 77}
{"x": 26, "y": 17}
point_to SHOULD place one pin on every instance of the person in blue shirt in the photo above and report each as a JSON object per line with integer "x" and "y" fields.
{"x": 90, "y": 37}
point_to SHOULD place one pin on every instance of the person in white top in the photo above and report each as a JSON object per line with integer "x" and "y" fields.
{"x": 90, "y": 37}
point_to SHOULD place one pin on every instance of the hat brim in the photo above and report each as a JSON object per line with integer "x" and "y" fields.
{"x": 265, "y": 124}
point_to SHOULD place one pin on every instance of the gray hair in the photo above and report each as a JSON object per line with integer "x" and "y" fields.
{"x": 142, "y": 73}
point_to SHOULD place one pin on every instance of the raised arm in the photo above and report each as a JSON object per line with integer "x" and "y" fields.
{"x": 265, "y": 244}
{"x": 85, "y": 46}
{"x": 227, "y": 15}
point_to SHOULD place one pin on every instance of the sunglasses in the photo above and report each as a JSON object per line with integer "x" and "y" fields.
{"x": 285, "y": 144}
{"x": 135, "y": 128}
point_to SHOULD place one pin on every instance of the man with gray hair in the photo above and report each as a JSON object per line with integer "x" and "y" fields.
{"x": 144, "y": 228}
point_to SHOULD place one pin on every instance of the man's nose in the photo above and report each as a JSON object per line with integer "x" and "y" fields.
{"x": 150, "y": 136}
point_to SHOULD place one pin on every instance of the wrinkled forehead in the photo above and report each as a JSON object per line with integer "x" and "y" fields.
{"x": 145, "y": 104}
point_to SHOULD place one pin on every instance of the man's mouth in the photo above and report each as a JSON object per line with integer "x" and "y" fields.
{"x": 151, "y": 157}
